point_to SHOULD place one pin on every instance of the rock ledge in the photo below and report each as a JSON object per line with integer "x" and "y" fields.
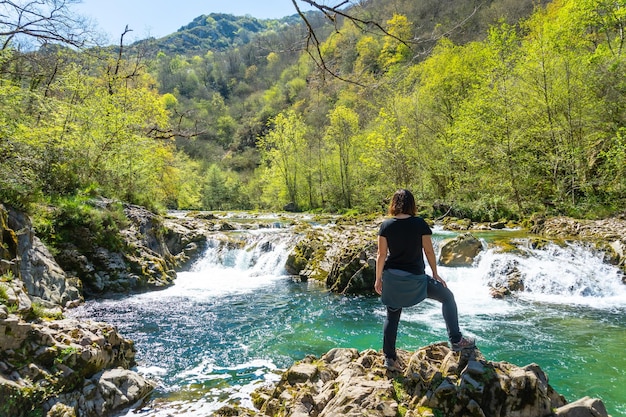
{"x": 435, "y": 381}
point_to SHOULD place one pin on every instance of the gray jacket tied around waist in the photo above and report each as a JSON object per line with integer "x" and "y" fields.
{"x": 403, "y": 289}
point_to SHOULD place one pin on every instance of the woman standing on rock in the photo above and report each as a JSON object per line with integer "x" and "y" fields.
{"x": 400, "y": 274}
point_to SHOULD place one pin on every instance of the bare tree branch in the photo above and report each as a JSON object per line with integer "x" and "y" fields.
{"x": 344, "y": 9}
{"x": 331, "y": 13}
{"x": 312, "y": 39}
{"x": 42, "y": 20}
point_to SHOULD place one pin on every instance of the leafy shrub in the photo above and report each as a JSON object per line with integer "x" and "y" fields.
{"x": 7, "y": 277}
{"x": 83, "y": 222}
{"x": 487, "y": 210}
{"x": 38, "y": 311}
{"x": 19, "y": 185}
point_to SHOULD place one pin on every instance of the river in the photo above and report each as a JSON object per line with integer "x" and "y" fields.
{"x": 234, "y": 320}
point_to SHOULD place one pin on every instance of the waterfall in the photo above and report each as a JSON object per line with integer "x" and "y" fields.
{"x": 245, "y": 261}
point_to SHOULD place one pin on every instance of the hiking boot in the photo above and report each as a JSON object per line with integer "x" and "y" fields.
{"x": 464, "y": 343}
{"x": 392, "y": 365}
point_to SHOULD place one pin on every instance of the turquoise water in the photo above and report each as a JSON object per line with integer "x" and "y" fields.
{"x": 234, "y": 321}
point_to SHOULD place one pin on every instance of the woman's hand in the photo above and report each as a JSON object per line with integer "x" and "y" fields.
{"x": 378, "y": 286}
{"x": 439, "y": 279}
{"x": 429, "y": 251}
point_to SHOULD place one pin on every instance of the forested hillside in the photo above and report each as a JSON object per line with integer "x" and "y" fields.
{"x": 496, "y": 109}
{"x": 216, "y": 32}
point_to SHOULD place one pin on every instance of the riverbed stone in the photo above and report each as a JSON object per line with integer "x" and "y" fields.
{"x": 460, "y": 251}
{"x": 354, "y": 270}
{"x": 61, "y": 410}
{"x": 505, "y": 278}
{"x": 584, "y": 407}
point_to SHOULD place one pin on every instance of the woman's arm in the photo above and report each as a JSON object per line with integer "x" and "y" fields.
{"x": 429, "y": 251}
{"x": 380, "y": 263}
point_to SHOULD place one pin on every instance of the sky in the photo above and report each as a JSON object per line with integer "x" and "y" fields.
{"x": 158, "y": 18}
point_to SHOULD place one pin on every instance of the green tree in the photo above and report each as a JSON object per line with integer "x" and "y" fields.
{"x": 390, "y": 153}
{"x": 559, "y": 84}
{"x": 282, "y": 150}
{"x": 489, "y": 127}
{"x": 342, "y": 133}
{"x": 446, "y": 79}
{"x": 395, "y": 48}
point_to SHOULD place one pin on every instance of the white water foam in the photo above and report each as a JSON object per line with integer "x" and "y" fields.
{"x": 263, "y": 371}
{"x": 568, "y": 276}
{"x": 223, "y": 270}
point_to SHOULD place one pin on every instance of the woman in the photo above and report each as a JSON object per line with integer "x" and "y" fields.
{"x": 400, "y": 274}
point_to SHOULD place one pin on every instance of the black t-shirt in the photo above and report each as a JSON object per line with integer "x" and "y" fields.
{"x": 404, "y": 241}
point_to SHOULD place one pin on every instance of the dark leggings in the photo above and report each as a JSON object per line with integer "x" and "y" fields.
{"x": 436, "y": 291}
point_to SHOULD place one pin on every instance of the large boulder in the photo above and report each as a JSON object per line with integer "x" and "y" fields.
{"x": 585, "y": 407}
{"x": 106, "y": 393}
{"x": 341, "y": 255}
{"x": 460, "y": 251}
{"x": 505, "y": 278}
{"x": 185, "y": 238}
{"x": 354, "y": 270}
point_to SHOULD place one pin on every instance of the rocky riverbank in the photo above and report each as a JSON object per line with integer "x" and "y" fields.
{"x": 68, "y": 368}
{"x": 53, "y": 365}
{"x": 434, "y": 381}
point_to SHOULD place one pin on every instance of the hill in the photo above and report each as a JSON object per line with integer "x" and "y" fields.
{"x": 216, "y": 32}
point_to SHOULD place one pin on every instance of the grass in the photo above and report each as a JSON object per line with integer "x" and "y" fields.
{"x": 4, "y": 297}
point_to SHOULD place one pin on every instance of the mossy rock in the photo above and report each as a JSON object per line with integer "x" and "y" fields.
{"x": 305, "y": 254}
{"x": 540, "y": 243}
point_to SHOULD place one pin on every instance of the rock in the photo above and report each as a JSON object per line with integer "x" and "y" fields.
{"x": 225, "y": 227}
{"x": 505, "y": 278}
{"x": 186, "y": 238}
{"x": 44, "y": 279}
{"x": 45, "y": 363}
{"x": 32, "y": 264}
{"x": 456, "y": 384}
{"x": 107, "y": 393}
{"x": 291, "y": 207}
{"x": 497, "y": 225}
{"x": 453, "y": 223}
{"x": 585, "y": 407}
{"x": 460, "y": 251}
{"x": 354, "y": 270}
{"x": 13, "y": 333}
{"x": 307, "y": 250}
{"x": 341, "y": 255}
{"x": 61, "y": 410}
{"x": 17, "y": 296}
